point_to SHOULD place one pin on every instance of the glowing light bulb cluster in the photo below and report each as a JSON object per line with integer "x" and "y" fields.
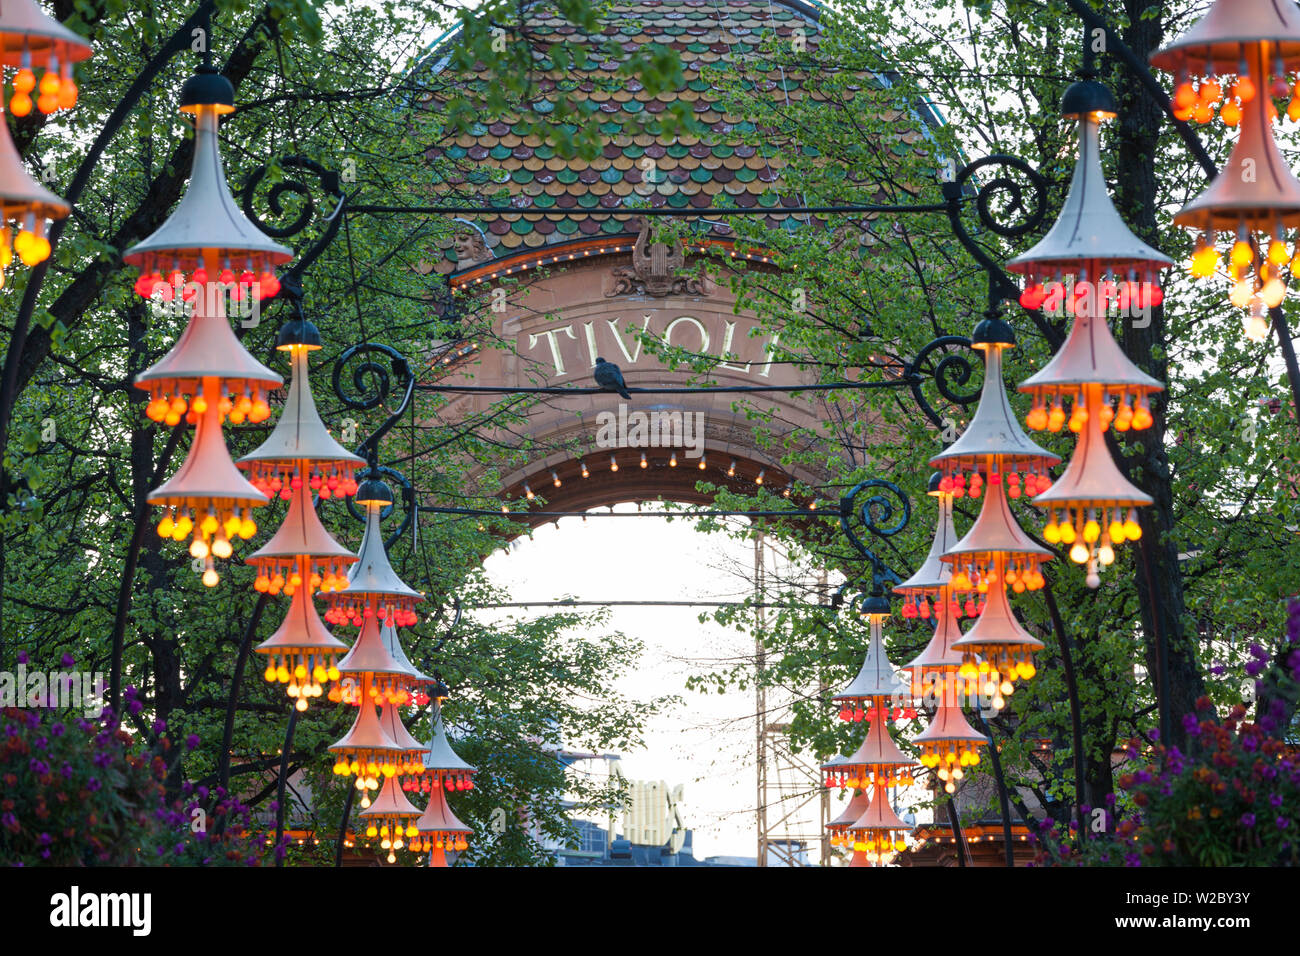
{"x": 447, "y": 842}
{"x": 1241, "y": 60}
{"x": 1092, "y": 532}
{"x": 434, "y": 780}
{"x": 980, "y": 572}
{"x": 949, "y": 760}
{"x": 28, "y": 243}
{"x": 256, "y": 282}
{"x": 41, "y": 51}
{"x": 922, "y": 608}
{"x": 55, "y": 90}
{"x": 277, "y": 575}
{"x": 277, "y": 479}
{"x": 210, "y": 531}
{"x": 349, "y": 609}
{"x": 1030, "y": 480}
{"x": 173, "y": 402}
{"x": 1060, "y": 292}
{"x": 1122, "y": 408}
{"x": 303, "y": 673}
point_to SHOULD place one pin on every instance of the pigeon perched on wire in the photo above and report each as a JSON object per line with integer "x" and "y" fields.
{"x": 610, "y": 378}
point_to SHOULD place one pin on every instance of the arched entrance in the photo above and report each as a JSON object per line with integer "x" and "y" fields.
{"x": 591, "y": 449}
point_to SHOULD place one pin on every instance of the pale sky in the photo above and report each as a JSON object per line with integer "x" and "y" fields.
{"x": 708, "y": 742}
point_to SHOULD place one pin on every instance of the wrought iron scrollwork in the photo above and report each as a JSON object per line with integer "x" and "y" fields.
{"x": 373, "y": 384}
{"x": 949, "y": 373}
{"x": 275, "y": 200}
{"x": 875, "y": 514}
{"x": 1022, "y": 209}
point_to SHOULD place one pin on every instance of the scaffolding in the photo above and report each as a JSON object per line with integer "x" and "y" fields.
{"x": 787, "y": 783}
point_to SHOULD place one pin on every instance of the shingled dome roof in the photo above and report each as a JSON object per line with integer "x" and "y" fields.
{"x": 715, "y": 169}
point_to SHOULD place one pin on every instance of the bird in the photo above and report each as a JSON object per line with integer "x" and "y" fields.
{"x": 610, "y": 378}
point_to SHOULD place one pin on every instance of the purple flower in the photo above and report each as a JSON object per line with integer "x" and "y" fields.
{"x": 68, "y": 660}
{"x": 1275, "y": 799}
{"x": 93, "y": 784}
{"x": 22, "y": 657}
{"x": 102, "y": 759}
{"x": 66, "y": 771}
{"x": 1258, "y": 652}
{"x": 39, "y": 767}
{"x": 1132, "y": 859}
{"x": 203, "y": 793}
{"x": 40, "y": 743}
{"x": 1253, "y": 668}
{"x": 56, "y": 729}
{"x": 135, "y": 707}
{"x": 1191, "y": 725}
{"x": 1282, "y": 823}
{"x": 159, "y": 725}
{"x": 1248, "y": 819}
{"x": 192, "y": 741}
{"x": 45, "y": 839}
{"x": 179, "y": 849}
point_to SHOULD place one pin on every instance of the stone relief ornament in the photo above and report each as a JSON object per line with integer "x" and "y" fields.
{"x": 653, "y": 269}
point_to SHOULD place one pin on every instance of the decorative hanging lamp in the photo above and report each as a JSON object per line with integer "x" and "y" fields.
{"x": 879, "y": 834}
{"x": 300, "y": 452}
{"x": 949, "y": 745}
{"x": 208, "y": 240}
{"x": 839, "y": 827}
{"x": 391, "y": 820}
{"x": 445, "y": 772}
{"x": 1002, "y": 463}
{"x": 299, "y": 459}
{"x": 934, "y": 670}
{"x": 207, "y": 376}
{"x": 1089, "y": 251}
{"x": 374, "y": 590}
{"x": 930, "y": 589}
{"x": 366, "y": 751}
{"x": 877, "y": 682}
{"x": 877, "y": 763}
{"x": 31, "y": 40}
{"x": 1254, "y": 203}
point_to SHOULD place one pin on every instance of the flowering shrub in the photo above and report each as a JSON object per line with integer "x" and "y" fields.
{"x": 76, "y": 792}
{"x": 1234, "y": 801}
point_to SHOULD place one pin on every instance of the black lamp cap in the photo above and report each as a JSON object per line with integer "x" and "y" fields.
{"x": 208, "y": 87}
{"x": 373, "y": 490}
{"x": 933, "y": 487}
{"x": 1088, "y": 96}
{"x": 992, "y": 331}
{"x": 298, "y": 331}
{"x": 875, "y": 604}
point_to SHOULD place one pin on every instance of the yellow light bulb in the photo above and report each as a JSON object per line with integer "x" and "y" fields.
{"x": 1079, "y": 553}
{"x": 210, "y": 578}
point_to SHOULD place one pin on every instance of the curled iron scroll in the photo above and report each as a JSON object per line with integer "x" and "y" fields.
{"x": 1027, "y": 215}
{"x": 329, "y": 183}
{"x": 1013, "y": 195}
{"x": 876, "y": 513}
{"x": 371, "y": 386}
{"x": 949, "y": 373}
